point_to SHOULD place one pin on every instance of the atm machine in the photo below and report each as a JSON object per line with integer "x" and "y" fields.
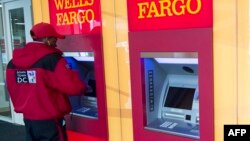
{"x": 88, "y": 118}
{"x": 172, "y": 102}
{"x": 84, "y": 105}
{"x": 81, "y": 22}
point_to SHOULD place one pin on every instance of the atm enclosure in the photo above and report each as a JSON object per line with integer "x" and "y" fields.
{"x": 172, "y": 94}
{"x": 172, "y": 84}
{"x": 83, "y": 53}
{"x": 84, "y": 105}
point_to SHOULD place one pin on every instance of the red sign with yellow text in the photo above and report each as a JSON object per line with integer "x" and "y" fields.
{"x": 75, "y": 16}
{"x": 169, "y": 14}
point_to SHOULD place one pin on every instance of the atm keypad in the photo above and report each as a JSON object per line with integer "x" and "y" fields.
{"x": 166, "y": 124}
{"x": 173, "y": 125}
{"x": 83, "y": 109}
{"x": 169, "y": 124}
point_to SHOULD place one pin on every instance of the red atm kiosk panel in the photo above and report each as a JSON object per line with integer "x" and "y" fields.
{"x": 83, "y": 53}
{"x": 173, "y": 101}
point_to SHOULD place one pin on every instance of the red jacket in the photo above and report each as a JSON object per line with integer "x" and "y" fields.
{"x": 39, "y": 81}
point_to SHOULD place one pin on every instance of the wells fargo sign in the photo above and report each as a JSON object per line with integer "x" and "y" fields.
{"x": 169, "y": 14}
{"x": 75, "y": 16}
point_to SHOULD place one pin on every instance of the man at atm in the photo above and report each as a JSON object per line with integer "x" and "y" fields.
{"x": 39, "y": 82}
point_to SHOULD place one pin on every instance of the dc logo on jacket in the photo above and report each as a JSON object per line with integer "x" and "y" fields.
{"x": 24, "y": 76}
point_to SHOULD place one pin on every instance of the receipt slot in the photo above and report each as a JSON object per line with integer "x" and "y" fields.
{"x": 171, "y": 92}
{"x": 83, "y": 53}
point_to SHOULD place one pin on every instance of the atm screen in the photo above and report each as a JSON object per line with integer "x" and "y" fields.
{"x": 179, "y": 97}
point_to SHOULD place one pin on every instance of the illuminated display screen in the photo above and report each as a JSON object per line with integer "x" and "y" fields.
{"x": 179, "y": 97}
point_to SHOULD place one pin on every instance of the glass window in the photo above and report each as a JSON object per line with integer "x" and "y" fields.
{"x": 17, "y": 27}
{"x": 4, "y": 98}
